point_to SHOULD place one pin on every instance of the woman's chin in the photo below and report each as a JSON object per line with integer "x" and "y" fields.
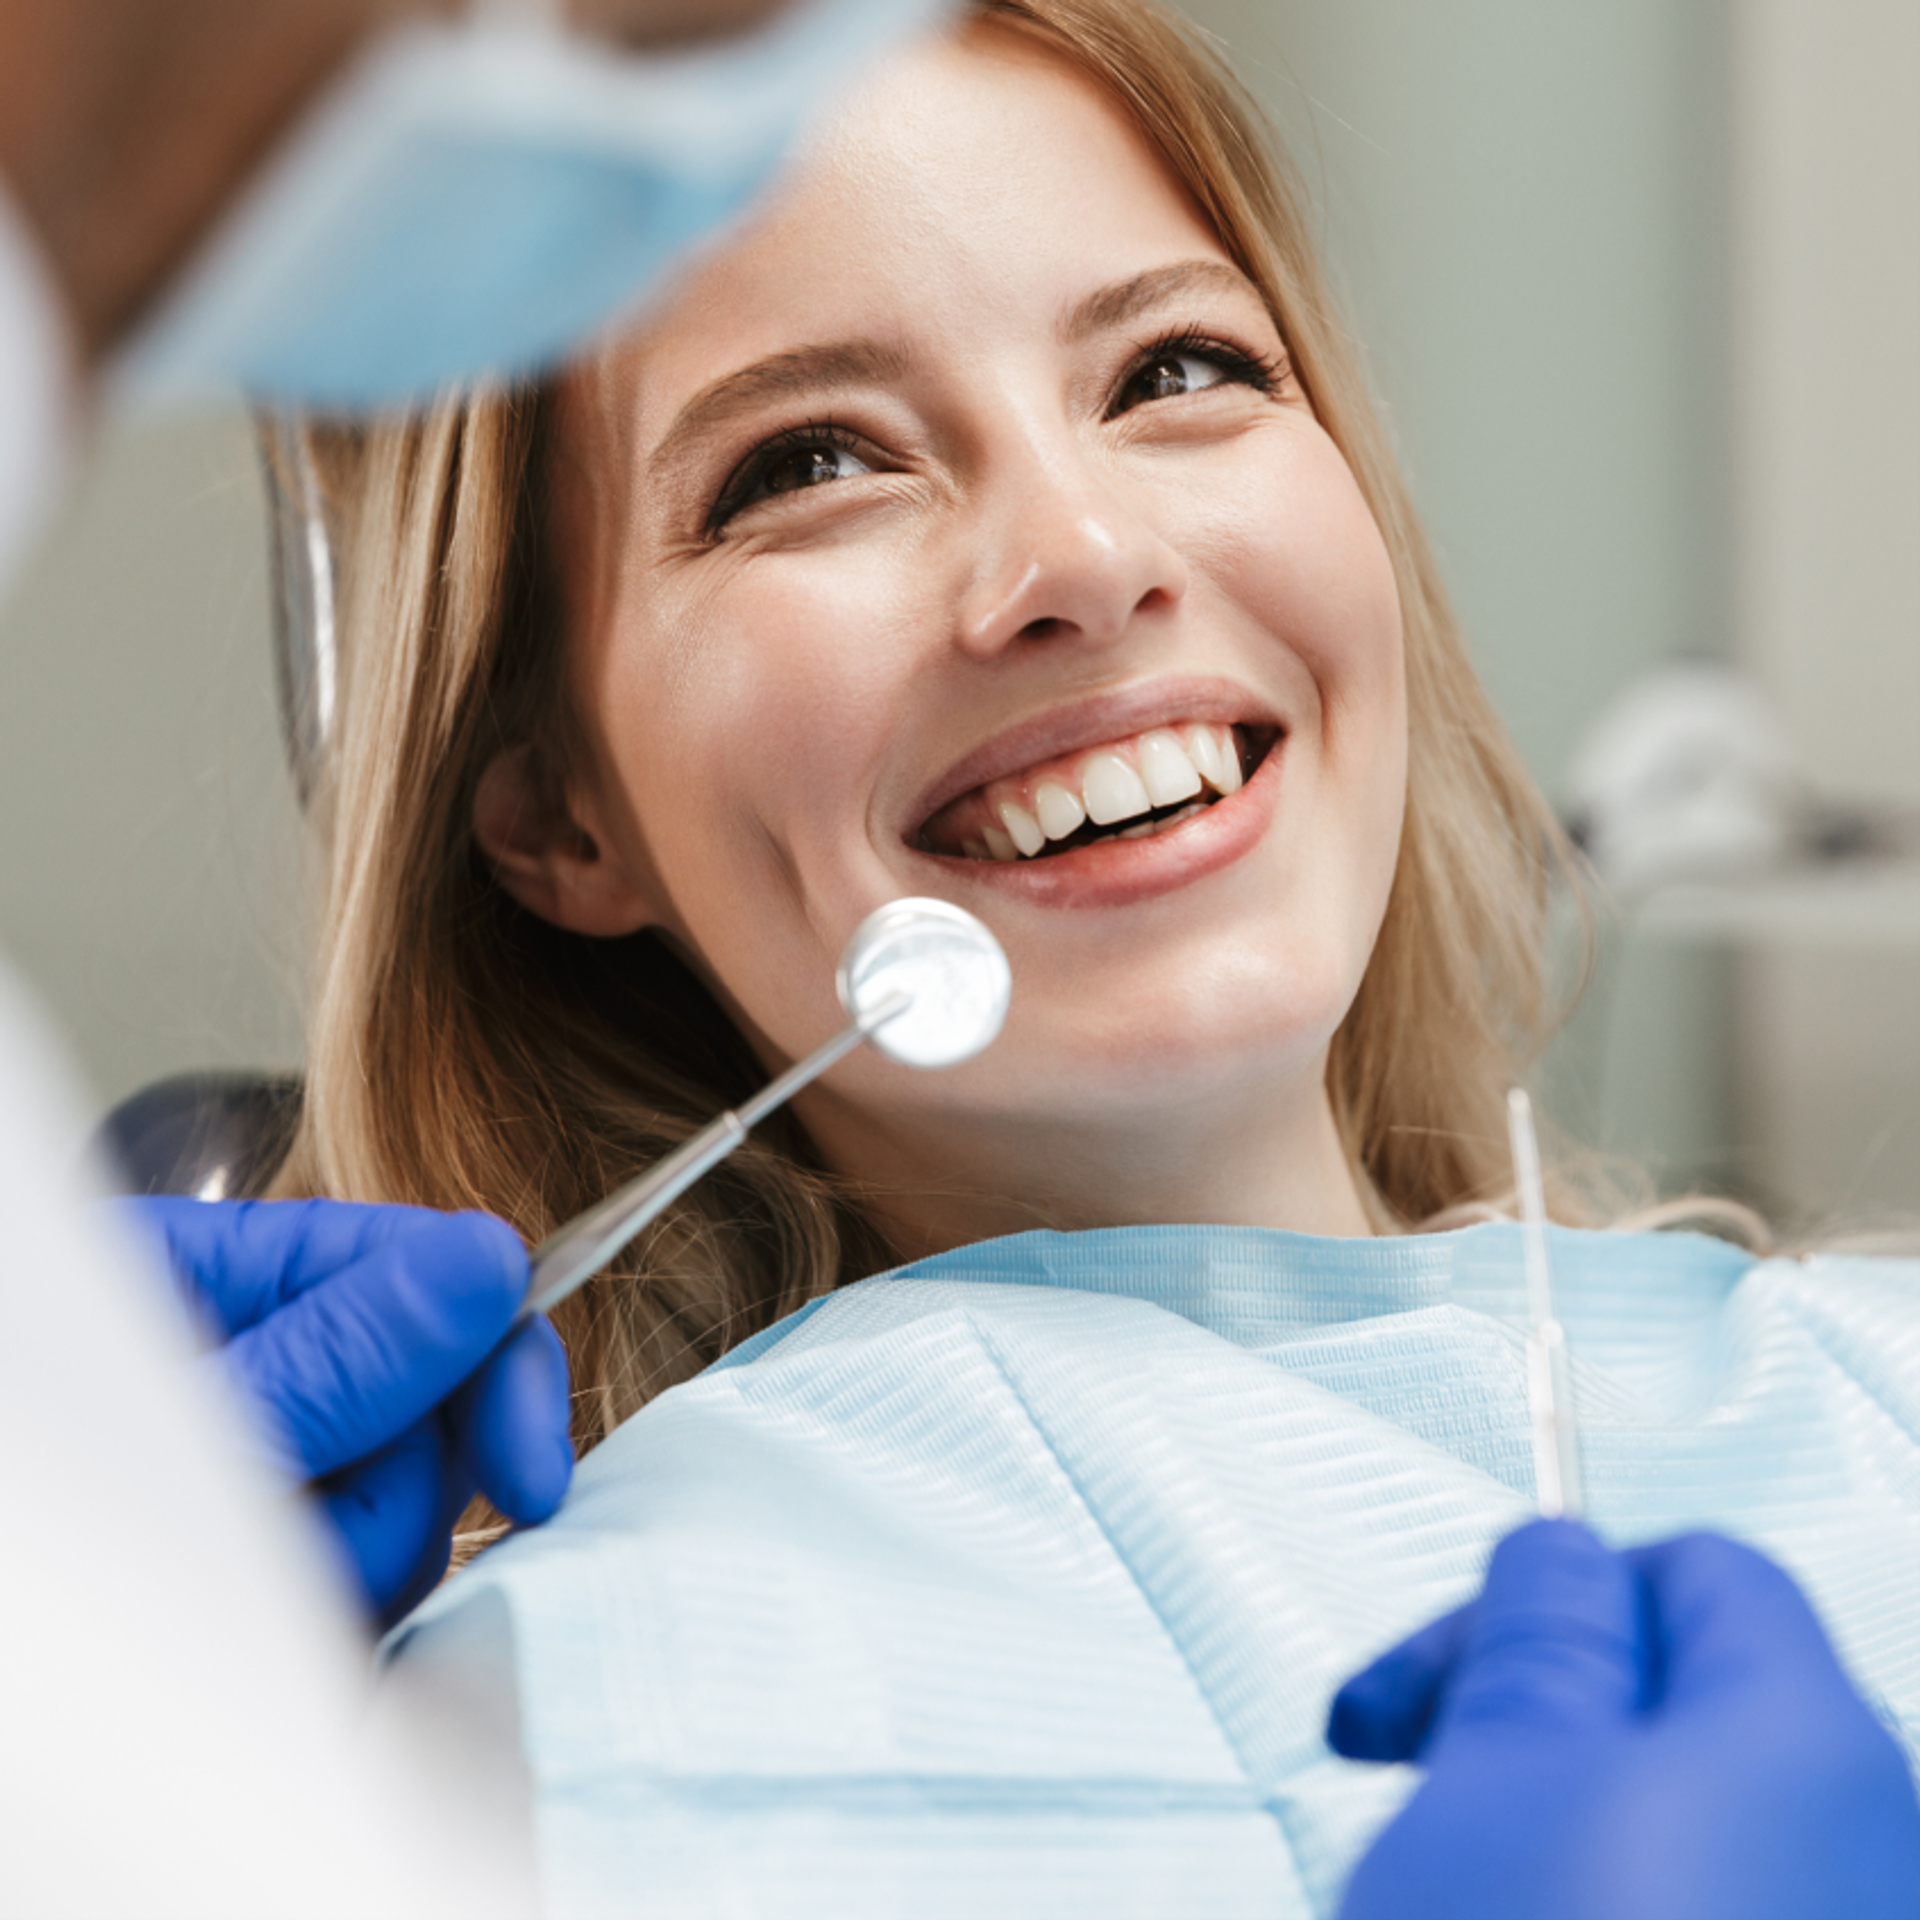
{"x": 1166, "y": 1060}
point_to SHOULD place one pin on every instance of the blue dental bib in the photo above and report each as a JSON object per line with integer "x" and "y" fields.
{"x": 1018, "y": 1581}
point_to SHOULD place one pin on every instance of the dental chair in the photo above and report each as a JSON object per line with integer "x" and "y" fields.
{"x": 219, "y": 1135}
{"x": 216, "y": 1136}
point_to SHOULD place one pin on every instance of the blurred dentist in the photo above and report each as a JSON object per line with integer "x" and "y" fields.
{"x": 205, "y": 192}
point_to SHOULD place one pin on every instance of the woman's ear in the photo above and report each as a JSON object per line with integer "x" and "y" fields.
{"x": 544, "y": 857}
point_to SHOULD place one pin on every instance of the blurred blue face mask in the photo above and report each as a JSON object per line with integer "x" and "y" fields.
{"x": 480, "y": 197}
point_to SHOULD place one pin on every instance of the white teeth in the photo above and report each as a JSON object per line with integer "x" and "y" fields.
{"x": 1173, "y": 766}
{"x": 1165, "y": 770}
{"x": 1147, "y": 829}
{"x": 1112, "y": 790}
{"x": 1023, "y": 830}
{"x": 1232, "y": 778}
{"x": 1060, "y": 811}
{"x": 1203, "y": 748}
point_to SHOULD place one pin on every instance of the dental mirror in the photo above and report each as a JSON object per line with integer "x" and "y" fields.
{"x": 951, "y": 969}
{"x": 924, "y": 982}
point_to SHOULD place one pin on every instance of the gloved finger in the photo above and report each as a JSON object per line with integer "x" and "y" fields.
{"x": 390, "y": 1513}
{"x": 1386, "y": 1711}
{"x": 353, "y": 1362}
{"x": 1557, "y": 1641}
{"x": 1831, "y": 1822}
{"x": 510, "y": 1423}
{"x": 456, "y": 1491}
{"x": 240, "y": 1260}
{"x": 1728, "y": 1617}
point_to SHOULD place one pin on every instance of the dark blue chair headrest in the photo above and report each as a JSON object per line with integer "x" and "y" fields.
{"x": 218, "y": 1136}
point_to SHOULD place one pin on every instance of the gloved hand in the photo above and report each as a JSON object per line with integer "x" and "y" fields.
{"x": 1662, "y": 1734}
{"x": 362, "y": 1340}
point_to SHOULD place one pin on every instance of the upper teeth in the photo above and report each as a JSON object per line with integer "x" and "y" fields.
{"x": 1112, "y": 790}
{"x": 1024, "y": 833}
{"x": 1157, "y": 769}
{"x": 1061, "y": 812}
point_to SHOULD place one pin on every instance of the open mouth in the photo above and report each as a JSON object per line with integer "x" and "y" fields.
{"x": 1147, "y": 784}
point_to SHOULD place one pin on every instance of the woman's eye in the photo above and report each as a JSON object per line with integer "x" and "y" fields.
{"x": 808, "y": 467}
{"x": 1167, "y": 375}
{"x": 790, "y": 467}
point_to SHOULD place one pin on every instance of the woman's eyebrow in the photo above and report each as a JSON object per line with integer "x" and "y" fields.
{"x": 781, "y": 376}
{"x": 1114, "y": 306}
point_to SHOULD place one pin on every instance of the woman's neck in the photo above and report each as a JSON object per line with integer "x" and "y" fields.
{"x": 1266, "y": 1161}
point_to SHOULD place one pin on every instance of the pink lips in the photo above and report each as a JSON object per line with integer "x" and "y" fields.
{"x": 1114, "y": 871}
{"x": 1091, "y": 723}
{"x": 1132, "y": 787}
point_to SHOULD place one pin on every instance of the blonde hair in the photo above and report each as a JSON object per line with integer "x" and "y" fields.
{"x": 464, "y": 1053}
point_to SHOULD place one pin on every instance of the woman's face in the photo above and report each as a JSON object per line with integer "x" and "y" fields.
{"x": 960, "y": 530}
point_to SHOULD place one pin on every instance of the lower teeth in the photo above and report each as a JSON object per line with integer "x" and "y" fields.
{"x": 1148, "y": 828}
{"x": 1140, "y": 830}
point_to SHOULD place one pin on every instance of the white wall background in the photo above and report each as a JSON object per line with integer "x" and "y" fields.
{"x": 148, "y": 885}
{"x": 1825, "y": 335}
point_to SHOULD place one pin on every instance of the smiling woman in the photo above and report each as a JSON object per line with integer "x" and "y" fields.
{"x": 996, "y": 519}
{"x": 1000, "y": 518}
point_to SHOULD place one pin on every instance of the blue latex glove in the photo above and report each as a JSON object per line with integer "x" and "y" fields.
{"x": 1663, "y": 1734}
{"x": 365, "y": 1342}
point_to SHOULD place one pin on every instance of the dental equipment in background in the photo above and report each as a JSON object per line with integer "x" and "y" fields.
{"x": 925, "y": 983}
{"x": 1556, "y": 1445}
{"x": 305, "y": 573}
{"x": 1690, "y": 776}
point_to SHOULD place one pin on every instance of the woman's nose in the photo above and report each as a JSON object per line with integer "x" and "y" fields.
{"x": 1064, "y": 554}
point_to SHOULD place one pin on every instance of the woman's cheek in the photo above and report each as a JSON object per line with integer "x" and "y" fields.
{"x": 765, "y": 750}
{"x": 1339, "y": 604}
{"x": 1363, "y": 675}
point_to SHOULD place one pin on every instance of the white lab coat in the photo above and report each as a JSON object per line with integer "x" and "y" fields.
{"x": 183, "y": 1691}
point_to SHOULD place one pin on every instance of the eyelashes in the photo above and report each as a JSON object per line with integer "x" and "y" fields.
{"x": 789, "y": 462}
{"x": 1265, "y": 374}
{"x": 821, "y": 452}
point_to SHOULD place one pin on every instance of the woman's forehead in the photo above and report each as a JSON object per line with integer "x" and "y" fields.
{"x": 978, "y": 182}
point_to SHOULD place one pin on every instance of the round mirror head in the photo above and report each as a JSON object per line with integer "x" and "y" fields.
{"x": 951, "y": 969}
